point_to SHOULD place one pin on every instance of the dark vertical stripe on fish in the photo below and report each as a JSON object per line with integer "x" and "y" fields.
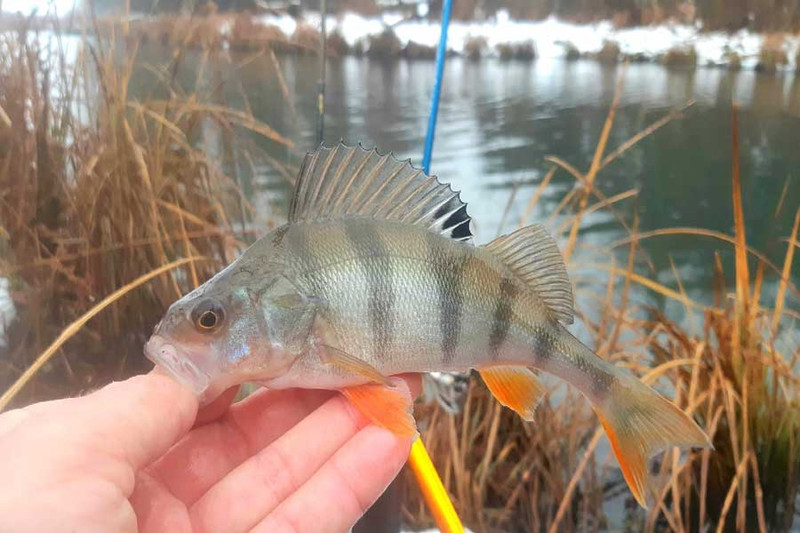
{"x": 377, "y": 268}
{"x": 296, "y": 239}
{"x": 503, "y": 312}
{"x": 448, "y": 271}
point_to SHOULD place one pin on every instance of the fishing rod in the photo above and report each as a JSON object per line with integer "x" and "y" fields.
{"x": 428, "y": 478}
{"x": 441, "y": 55}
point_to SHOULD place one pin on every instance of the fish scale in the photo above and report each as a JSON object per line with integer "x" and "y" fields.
{"x": 374, "y": 275}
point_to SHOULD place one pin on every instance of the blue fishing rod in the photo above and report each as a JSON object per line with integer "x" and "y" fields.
{"x": 441, "y": 55}
{"x": 430, "y": 483}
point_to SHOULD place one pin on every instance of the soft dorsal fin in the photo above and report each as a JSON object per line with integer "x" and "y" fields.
{"x": 345, "y": 181}
{"x": 533, "y": 255}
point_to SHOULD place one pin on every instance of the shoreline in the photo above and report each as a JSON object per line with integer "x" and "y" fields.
{"x": 390, "y": 36}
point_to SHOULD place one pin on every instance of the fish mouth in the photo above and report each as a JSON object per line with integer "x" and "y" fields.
{"x": 177, "y": 363}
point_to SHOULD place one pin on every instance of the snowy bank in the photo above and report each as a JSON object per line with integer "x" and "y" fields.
{"x": 553, "y": 38}
{"x": 7, "y": 310}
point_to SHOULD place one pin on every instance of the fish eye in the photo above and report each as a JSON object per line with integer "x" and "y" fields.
{"x": 208, "y": 315}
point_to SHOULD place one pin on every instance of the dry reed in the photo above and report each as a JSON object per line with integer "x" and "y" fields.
{"x": 97, "y": 190}
{"x": 505, "y": 475}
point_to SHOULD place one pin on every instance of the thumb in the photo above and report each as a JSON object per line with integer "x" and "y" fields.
{"x": 138, "y": 419}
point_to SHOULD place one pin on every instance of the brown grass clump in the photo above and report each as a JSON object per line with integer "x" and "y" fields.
{"x": 733, "y": 60}
{"x": 475, "y": 48}
{"x": 419, "y": 51}
{"x": 337, "y": 46}
{"x": 772, "y": 55}
{"x": 208, "y": 30}
{"x": 771, "y": 60}
{"x": 638, "y": 57}
{"x": 384, "y": 46}
{"x": 525, "y": 51}
{"x": 203, "y": 32}
{"x": 572, "y": 52}
{"x": 306, "y": 38}
{"x": 744, "y": 388}
{"x": 609, "y": 53}
{"x": 680, "y": 58}
{"x": 96, "y": 191}
{"x": 247, "y": 34}
{"x": 506, "y": 475}
{"x": 505, "y": 51}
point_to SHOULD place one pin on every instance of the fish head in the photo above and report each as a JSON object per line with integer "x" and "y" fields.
{"x": 214, "y": 338}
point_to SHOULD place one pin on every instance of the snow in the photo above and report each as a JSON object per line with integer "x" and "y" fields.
{"x": 7, "y": 311}
{"x": 26, "y": 7}
{"x": 285, "y": 23}
{"x": 553, "y": 37}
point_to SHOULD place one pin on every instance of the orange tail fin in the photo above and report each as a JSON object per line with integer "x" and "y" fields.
{"x": 640, "y": 422}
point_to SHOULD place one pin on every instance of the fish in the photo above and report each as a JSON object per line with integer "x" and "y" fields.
{"x": 375, "y": 274}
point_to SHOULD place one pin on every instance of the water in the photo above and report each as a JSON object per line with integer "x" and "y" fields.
{"x": 498, "y": 122}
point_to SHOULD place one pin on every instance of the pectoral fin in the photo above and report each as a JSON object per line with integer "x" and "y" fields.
{"x": 350, "y": 363}
{"x": 516, "y": 387}
{"x": 387, "y": 406}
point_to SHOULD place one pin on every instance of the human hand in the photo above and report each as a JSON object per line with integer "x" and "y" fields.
{"x": 127, "y": 458}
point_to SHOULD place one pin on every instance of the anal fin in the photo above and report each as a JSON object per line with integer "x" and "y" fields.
{"x": 516, "y": 387}
{"x": 389, "y": 407}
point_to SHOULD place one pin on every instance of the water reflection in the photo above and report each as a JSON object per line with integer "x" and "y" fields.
{"x": 498, "y": 121}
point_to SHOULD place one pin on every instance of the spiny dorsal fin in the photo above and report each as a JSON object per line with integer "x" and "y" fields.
{"x": 345, "y": 181}
{"x": 533, "y": 255}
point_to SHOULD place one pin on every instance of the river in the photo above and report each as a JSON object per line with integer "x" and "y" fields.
{"x": 498, "y": 122}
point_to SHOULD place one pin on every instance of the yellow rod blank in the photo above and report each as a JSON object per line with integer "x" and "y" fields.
{"x": 433, "y": 490}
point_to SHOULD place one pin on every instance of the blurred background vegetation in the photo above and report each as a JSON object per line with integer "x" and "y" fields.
{"x": 731, "y": 15}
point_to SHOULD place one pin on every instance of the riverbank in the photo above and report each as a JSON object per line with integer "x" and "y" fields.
{"x": 392, "y": 36}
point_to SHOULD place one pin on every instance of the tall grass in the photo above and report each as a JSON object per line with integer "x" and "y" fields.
{"x": 97, "y": 189}
{"x": 505, "y": 475}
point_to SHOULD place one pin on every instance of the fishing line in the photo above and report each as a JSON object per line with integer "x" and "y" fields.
{"x": 323, "y": 59}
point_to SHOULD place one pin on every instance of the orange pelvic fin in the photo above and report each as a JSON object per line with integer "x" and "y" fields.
{"x": 640, "y": 422}
{"x": 390, "y": 407}
{"x": 516, "y": 387}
